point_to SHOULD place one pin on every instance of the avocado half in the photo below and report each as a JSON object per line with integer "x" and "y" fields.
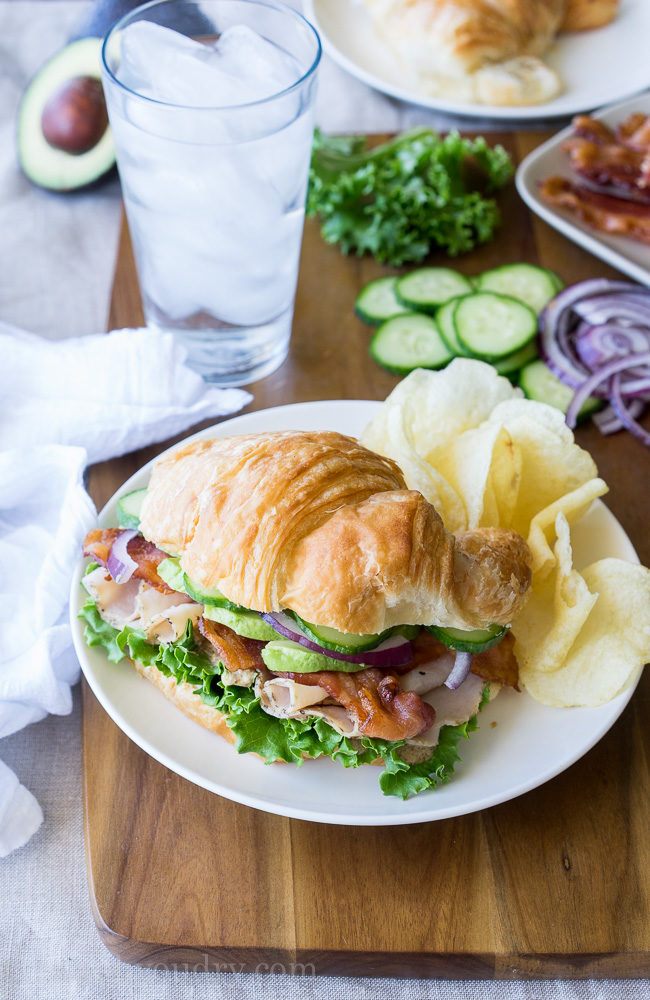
{"x": 64, "y": 141}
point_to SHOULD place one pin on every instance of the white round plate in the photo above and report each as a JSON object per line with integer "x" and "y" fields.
{"x": 630, "y": 256}
{"x": 519, "y": 745}
{"x": 597, "y": 67}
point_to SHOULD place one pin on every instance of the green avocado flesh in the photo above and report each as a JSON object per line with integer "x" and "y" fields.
{"x": 45, "y": 164}
{"x": 247, "y": 623}
{"x": 170, "y": 571}
{"x": 283, "y": 655}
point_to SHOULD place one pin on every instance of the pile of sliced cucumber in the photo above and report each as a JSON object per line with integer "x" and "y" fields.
{"x": 434, "y": 314}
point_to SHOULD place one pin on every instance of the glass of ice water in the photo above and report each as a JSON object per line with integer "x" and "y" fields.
{"x": 211, "y": 107}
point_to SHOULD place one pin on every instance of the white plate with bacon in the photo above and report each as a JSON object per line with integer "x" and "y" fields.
{"x": 519, "y": 745}
{"x": 592, "y": 182}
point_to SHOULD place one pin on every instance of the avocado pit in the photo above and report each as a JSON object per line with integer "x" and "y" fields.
{"x": 75, "y": 118}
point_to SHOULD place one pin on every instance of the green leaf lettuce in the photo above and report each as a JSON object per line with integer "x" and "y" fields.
{"x": 401, "y": 200}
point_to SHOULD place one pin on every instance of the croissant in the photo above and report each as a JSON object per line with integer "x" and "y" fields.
{"x": 315, "y": 522}
{"x": 483, "y": 50}
{"x": 581, "y": 15}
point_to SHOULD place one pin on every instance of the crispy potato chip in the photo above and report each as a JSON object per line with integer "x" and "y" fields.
{"x": 552, "y": 463}
{"x": 438, "y": 406}
{"x": 503, "y": 483}
{"x": 482, "y": 465}
{"x": 556, "y": 611}
{"x": 573, "y": 505}
{"x": 612, "y": 646}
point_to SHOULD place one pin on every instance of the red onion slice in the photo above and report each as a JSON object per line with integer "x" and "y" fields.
{"x": 608, "y": 423}
{"x": 623, "y": 413}
{"x": 459, "y": 671}
{"x": 601, "y": 375}
{"x": 596, "y": 345}
{"x": 119, "y": 563}
{"x": 607, "y": 308}
{"x": 393, "y": 652}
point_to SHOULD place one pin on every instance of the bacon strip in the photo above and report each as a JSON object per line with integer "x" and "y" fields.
{"x": 374, "y": 698}
{"x": 610, "y": 165}
{"x": 234, "y": 651}
{"x": 593, "y": 129}
{"x": 635, "y": 131}
{"x": 617, "y": 216}
{"x": 98, "y": 544}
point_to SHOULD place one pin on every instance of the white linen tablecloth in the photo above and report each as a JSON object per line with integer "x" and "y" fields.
{"x": 56, "y": 261}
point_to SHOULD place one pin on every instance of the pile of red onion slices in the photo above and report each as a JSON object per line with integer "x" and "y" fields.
{"x": 595, "y": 337}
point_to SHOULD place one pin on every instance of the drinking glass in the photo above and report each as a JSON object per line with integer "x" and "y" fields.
{"x": 214, "y": 191}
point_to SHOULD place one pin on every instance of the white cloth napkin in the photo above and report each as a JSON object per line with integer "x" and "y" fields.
{"x": 66, "y": 404}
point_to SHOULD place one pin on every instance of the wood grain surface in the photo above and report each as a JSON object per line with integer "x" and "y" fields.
{"x": 553, "y": 884}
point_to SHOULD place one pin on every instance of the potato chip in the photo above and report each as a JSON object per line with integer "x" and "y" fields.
{"x": 554, "y": 614}
{"x": 476, "y": 464}
{"x": 503, "y": 483}
{"x": 438, "y": 406}
{"x": 573, "y": 505}
{"x": 552, "y": 463}
{"x": 612, "y": 646}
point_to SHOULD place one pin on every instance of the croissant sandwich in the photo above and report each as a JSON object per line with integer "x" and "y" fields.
{"x": 287, "y": 591}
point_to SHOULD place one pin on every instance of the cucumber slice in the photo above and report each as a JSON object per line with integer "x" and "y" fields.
{"x": 445, "y": 322}
{"x": 527, "y": 283}
{"x": 339, "y": 642}
{"x": 556, "y": 279}
{"x": 377, "y": 302}
{"x": 476, "y": 641}
{"x": 409, "y": 341}
{"x": 211, "y": 598}
{"x": 128, "y": 509}
{"x": 491, "y": 326}
{"x": 250, "y": 624}
{"x": 512, "y": 363}
{"x": 428, "y": 287}
{"x": 539, "y": 383}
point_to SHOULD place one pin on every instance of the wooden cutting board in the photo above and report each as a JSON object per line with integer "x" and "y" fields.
{"x": 553, "y": 884}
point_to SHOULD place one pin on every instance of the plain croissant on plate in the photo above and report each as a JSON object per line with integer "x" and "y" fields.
{"x": 315, "y": 522}
{"x": 487, "y": 51}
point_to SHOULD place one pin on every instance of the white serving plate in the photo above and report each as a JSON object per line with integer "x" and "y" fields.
{"x": 627, "y": 255}
{"x": 597, "y": 67}
{"x": 529, "y": 744}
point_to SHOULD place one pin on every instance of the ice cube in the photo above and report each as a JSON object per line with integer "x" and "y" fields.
{"x": 241, "y": 67}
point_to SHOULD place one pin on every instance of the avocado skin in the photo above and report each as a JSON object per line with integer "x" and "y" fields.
{"x": 284, "y": 656}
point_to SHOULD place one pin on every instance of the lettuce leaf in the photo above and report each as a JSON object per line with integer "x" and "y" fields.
{"x": 405, "y": 780}
{"x": 403, "y": 199}
{"x": 276, "y": 739}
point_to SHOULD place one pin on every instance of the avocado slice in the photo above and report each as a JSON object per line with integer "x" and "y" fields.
{"x": 64, "y": 141}
{"x": 247, "y": 623}
{"x": 284, "y": 655}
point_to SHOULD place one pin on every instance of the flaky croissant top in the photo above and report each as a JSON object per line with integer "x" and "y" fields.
{"x": 314, "y": 522}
